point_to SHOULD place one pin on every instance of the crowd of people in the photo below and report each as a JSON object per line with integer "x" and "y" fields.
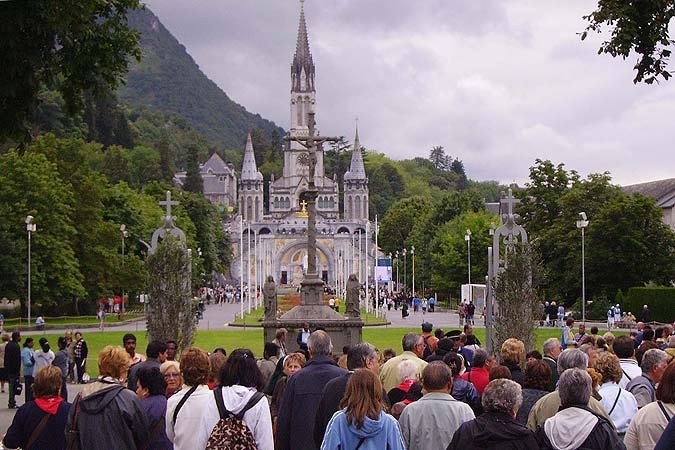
{"x": 442, "y": 391}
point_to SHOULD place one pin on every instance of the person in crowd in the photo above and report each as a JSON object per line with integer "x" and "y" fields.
{"x": 409, "y": 374}
{"x": 444, "y": 346}
{"x": 649, "y": 423}
{"x": 44, "y": 356}
{"x": 303, "y": 335}
{"x": 609, "y": 339}
{"x": 567, "y": 339}
{"x": 535, "y": 386}
{"x": 217, "y": 361}
{"x": 575, "y": 426}
{"x": 240, "y": 381}
{"x": 426, "y": 336}
{"x": 552, "y": 350}
{"x": 280, "y": 341}
{"x": 591, "y": 351}
{"x": 220, "y": 350}
{"x": 625, "y": 350}
{"x": 458, "y": 344}
{"x": 106, "y": 414}
{"x": 653, "y": 366}
{"x": 413, "y": 349}
{"x": 80, "y": 353}
{"x": 61, "y": 361}
{"x": 620, "y": 404}
{"x": 414, "y": 393}
{"x": 646, "y": 316}
{"x": 28, "y": 362}
{"x": 360, "y": 356}
{"x": 462, "y": 390}
{"x": 303, "y": 392}
{"x": 3, "y": 372}
{"x": 13, "y": 366}
{"x": 500, "y": 371}
{"x": 387, "y": 354}
{"x": 363, "y": 422}
{"x": 513, "y": 356}
{"x": 667, "y": 439}
{"x": 39, "y": 424}
{"x": 342, "y": 360}
{"x": 534, "y": 354}
{"x": 291, "y": 364}
{"x": 269, "y": 361}
{"x": 581, "y": 334}
{"x": 170, "y": 370}
{"x": 431, "y": 422}
{"x": 479, "y": 375}
{"x": 156, "y": 351}
{"x": 549, "y": 404}
{"x": 70, "y": 346}
{"x": 497, "y": 427}
{"x": 185, "y": 410}
{"x": 129, "y": 342}
{"x": 670, "y": 348}
{"x": 171, "y": 350}
{"x": 151, "y": 389}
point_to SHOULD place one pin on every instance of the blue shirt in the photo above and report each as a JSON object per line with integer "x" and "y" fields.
{"x": 27, "y": 361}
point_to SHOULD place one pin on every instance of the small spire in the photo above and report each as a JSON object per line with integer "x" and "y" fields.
{"x": 302, "y": 59}
{"x": 357, "y": 170}
{"x": 249, "y": 170}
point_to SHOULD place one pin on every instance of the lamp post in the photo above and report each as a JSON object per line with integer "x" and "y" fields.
{"x": 412, "y": 251}
{"x": 582, "y": 223}
{"x": 241, "y": 266}
{"x": 125, "y": 233}
{"x": 467, "y": 238}
{"x": 397, "y": 285}
{"x": 30, "y": 228}
{"x": 405, "y": 269}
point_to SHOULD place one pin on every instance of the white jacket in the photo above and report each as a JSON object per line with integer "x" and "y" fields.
{"x": 42, "y": 359}
{"x": 258, "y": 418}
{"x": 625, "y": 408}
{"x": 189, "y": 432}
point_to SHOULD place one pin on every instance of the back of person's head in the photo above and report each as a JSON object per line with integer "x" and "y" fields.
{"x": 16, "y": 336}
{"x": 572, "y": 358}
{"x": 281, "y": 332}
{"x": 550, "y": 345}
{"x": 537, "y": 375}
{"x": 195, "y": 366}
{"x": 271, "y": 350}
{"x": 513, "y": 351}
{"x": 44, "y": 344}
{"x": 609, "y": 338}
{"x": 648, "y": 334}
{"x": 152, "y": 379}
{"x": 498, "y": 372}
{"x": 623, "y": 347}
{"x": 217, "y": 361}
{"x": 389, "y": 353}
{"x": 665, "y": 392}
{"x": 319, "y": 343}
{"x": 574, "y": 386}
{"x": 359, "y": 354}
{"x": 407, "y": 370}
{"x": 658, "y": 333}
{"x": 220, "y": 350}
{"x": 653, "y": 358}
{"x": 47, "y": 382}
{"x": 154, "y": 349}
{"x": 438, "y": 332}
{"x": 608, "y": 365}
{"x": 471, "y": 339}
{"x": 437, "y": 376}
{"x": 644, "y": 348}
{"x": 502, "y": 395}
{"x": 241, "y": 369}
{"x": 455, "y": 362}
{"x": 569, "y": 322}
{"x": 410, "y": 341}
{"x": 363, "y": 397}
{"x": 61, "y": 342}
{"x": 595, "y": 330}
{"x": 480, "y": 357}
{"x": 114, "y": 362}
{"x": 534, "y": 354}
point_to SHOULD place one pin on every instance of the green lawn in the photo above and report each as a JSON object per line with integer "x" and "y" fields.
{"x": 231, "y": 339}
{"x": 60, "y": 322}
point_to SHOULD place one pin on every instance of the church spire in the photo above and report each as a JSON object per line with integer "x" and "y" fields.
{"x": 357, "y": 171}
{"x": 249, "y": 170}
{"x": 302, "y": 69}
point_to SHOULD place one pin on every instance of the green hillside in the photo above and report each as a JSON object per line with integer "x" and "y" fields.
{"x": 168, "y": 79}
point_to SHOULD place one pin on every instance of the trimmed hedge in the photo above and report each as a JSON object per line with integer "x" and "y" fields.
{"x": 660, "y": 300}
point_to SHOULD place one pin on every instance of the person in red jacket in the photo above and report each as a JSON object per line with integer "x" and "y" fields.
{"x": 480, "y": 371}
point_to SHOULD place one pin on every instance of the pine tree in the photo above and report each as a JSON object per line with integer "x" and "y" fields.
{"x": 193, "y": 179}
{"x": 166, "y": 158}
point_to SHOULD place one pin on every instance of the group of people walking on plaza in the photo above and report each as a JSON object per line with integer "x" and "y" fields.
{"x": 443, "y": 391}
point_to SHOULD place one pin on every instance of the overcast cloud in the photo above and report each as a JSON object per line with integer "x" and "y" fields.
{"x": 497, "y": 83}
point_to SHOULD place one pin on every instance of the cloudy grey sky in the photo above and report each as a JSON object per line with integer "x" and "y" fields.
{"x": 497, "y": 83}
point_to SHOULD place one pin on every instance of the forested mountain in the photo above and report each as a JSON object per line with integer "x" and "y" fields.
{"x": 167, "y": 79}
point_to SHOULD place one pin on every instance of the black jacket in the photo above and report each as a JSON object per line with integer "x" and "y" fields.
{"x": 12, "y": 358}
{"x": 295, "y": 426}
{"x": 27, "y": 419}
{"x": 116, "y": 410}
{"x": 516, "y": 372}
{"x": 493, "y": 431}
{"x": 133, "y": 371}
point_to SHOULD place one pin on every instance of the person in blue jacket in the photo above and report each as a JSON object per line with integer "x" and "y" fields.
{"x": 363, "y": 424}
{"x": 28, "y": 361}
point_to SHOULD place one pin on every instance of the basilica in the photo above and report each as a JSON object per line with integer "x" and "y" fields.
{"x": 271, "y": 238}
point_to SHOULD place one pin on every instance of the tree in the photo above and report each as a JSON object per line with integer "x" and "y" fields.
{"x": 636, "y": 26}
{"x": 167, "y": 159}
{"x": 457, "y": 167}
{"x": 193, "y": 179}
{"x": 399, "y": 221}
{"x": 438, "y": 158}
{"x": 73, "y": 45}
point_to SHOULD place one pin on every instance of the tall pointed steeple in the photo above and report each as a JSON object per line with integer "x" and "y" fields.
{"x": 249, "y": 170}
{"x": 357, "y": 170}
{"x": 302, "y": 69}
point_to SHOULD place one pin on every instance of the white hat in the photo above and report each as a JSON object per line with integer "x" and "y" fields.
{"x": 644, "y": 306}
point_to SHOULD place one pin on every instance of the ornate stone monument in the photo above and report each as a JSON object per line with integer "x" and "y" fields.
{"x": 343, "y": 330}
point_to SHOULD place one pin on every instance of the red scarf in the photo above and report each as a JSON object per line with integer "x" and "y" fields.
{"x": 50, "y": 405}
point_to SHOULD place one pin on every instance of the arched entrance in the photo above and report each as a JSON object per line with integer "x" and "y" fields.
{"x": 291, "y": 265}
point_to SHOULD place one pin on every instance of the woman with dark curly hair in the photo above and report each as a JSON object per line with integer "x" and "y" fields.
{"x": 536, "y": 380}
{"x": 150, "y": 388}
{"x": 240, "y": 392}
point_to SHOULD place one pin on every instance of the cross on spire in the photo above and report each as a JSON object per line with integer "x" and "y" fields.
{"x": 168, "y": 218}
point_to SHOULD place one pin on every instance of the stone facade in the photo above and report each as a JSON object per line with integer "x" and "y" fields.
{"x": 278, "y": 230}
{"x": 663, "y": 192}
{"x": 220, "y": 181}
